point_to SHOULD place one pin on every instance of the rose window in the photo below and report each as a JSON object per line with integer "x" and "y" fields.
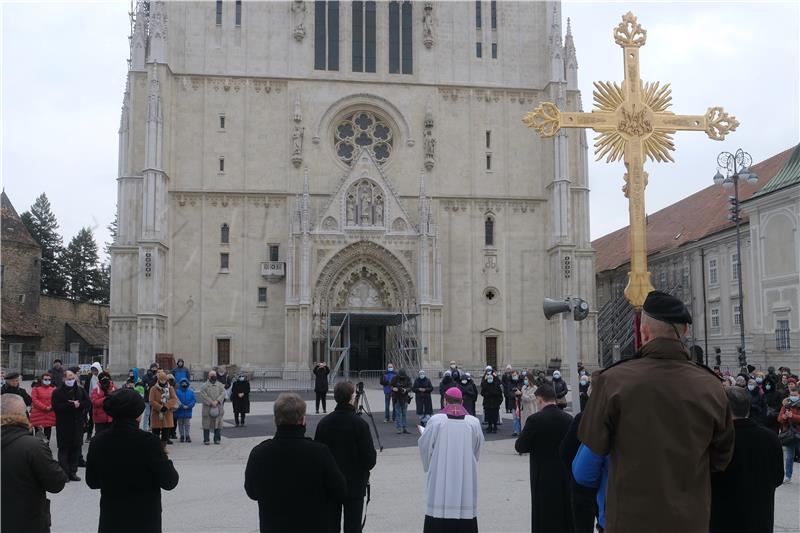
{"x": 363, "y": 129}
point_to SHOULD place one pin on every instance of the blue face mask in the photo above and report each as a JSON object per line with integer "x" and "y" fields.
{"x": 751, "y": 387}
{"x": 390, "y": 369}
{"x": 490, "y": 379}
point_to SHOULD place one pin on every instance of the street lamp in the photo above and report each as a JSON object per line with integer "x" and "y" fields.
{"x": 730, "y": 169}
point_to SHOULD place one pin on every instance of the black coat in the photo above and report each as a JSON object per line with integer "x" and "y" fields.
{"x": 321, "y": 378}
{"x": 470, "y": 393}
{"x": 284, "y": 474}
{"x": 560, "y": 387}
{"x": 240, "y": 405}
{"x": 19, "y": 391}
{"x": 743, "y": 496}
{"x": 70, "y": 419}
{"x": 492, "y": 394}
{"x": 550, "y": 491}
{"x": 758, "y": 406}
{"x": 131, "y": 503}
{"x": 584, "y": 499}
{"x": 347, "y": 436}
{"x": 28, "y": 470}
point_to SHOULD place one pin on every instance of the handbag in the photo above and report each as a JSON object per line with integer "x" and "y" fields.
{"x": 213, "y": 412}
{"x": 788, "y": 436}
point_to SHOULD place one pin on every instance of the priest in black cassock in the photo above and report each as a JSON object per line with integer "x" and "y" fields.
{"x": 550, "y": 491}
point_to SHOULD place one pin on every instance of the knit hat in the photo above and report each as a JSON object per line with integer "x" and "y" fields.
{"x": 162, "y": 376}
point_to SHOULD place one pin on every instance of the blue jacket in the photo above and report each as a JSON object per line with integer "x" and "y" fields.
{"x": 185, "y": 397}
{"x": 386, "y": 381}
{"x": 591, "y": 470}
{"x": 180, "y": 374}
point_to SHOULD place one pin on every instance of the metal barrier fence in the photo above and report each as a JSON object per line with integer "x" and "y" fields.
{"x": 34, "y": 364}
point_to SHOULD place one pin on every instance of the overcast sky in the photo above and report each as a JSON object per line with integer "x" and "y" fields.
{"x": 63, "y": 74}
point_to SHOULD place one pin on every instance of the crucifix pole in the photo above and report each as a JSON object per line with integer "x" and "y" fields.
{"x": 633, "y": 124}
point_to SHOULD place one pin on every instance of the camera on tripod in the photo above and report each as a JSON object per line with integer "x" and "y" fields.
{"x": 359, "y": 389}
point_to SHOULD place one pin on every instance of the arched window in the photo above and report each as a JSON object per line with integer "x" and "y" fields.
{"x": 225, "y": 234}
{"x": 489, "y": 231}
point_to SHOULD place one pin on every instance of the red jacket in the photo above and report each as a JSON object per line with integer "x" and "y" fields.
{"x": 795, "y": 418}
{"x": 99, "y": 415}
{"x": 42, "y": 414}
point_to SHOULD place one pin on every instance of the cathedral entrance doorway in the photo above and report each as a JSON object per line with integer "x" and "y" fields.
{"x": 367, "y": 346}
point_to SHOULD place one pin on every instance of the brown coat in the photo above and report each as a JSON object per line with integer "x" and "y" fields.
{"x": 155, "y": 403}
{"x": 667, "y": 424}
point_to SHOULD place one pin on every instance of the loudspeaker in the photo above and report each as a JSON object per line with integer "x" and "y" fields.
{"x": 553, "y": 307}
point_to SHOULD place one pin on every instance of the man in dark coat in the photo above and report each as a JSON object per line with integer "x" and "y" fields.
{"x": 347, "y": 436}
{"x": 126, "y": 448}
{"x": 57, "y": 372}
{"x": 422, "y": 389}
{"x": 469, "y": 391}
{"x": 492, "y": 392}
{"x": 70, "y": 403}
{"x": 666, "y": 423}
{"x": 321, "y": 372}
{"x": 240, "y": 398}
{"x": 11, "y": 386}
{"x": 28, "y": 472}
{"x": 541, "y": 437}
{"x": 286, "y": 472}
{"x": 756, "y": 470}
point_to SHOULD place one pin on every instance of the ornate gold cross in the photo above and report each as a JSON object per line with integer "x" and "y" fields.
{"x": 633, "y": 123}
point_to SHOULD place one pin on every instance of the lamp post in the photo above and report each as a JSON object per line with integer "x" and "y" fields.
{"x": 736, "y": 167}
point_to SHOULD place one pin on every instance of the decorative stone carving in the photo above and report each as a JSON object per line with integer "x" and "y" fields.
{"x": 427, "y": 25}
{"x": 363, "y": 295}
{"x": 399, "y": 225}
{"x": 363, "y": 129}
{"x": 429, "y": 143}
{"x": 330, "y": 224}
{"x": 299, "y": 18}
{"x": 365, "y": 204}
{"x": 351, "y": 210}
{"x": 378, "y": 211}
{"x": 298, "y": 112}
{"x": 297, "y": 145}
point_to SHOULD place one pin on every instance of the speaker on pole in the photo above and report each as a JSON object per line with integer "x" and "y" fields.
{"x": 553, "y": 307}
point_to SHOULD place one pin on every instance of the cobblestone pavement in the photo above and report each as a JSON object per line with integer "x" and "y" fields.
{"x": 210, "y": 496}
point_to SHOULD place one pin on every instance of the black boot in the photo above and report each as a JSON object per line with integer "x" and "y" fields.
{"x": 205, "y": 436}
{"x": 217, "y": 436}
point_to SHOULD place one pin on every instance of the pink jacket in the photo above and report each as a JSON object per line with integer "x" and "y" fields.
{"x": 42, "y": 414}
{"x": 99, "y": 415}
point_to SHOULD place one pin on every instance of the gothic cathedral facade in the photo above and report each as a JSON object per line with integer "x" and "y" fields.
{"x": 300, "y": 179}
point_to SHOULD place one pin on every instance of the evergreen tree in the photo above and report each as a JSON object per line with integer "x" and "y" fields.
{"x": 43, "y": 226}
{"x": 104, "y": 291}
{"x": 112, "y": 233}
{"x": 82, "y": 264}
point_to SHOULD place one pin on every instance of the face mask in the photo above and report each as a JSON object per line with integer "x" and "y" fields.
{"x": 69, "y": 382}
{"x": 241, "y": 378}
{"x": 453, "y": 367}
{"x": 422, "y": 375}
{"x": 390, "y": 369}
{"x": 556, "y": 376}
{"x": 490, "y": 379}
{"x": 794, "y": 398}
{"x": 526, "y": 382}
{"x": 46, "y": 381}
{"x": 515, "y": 378}
{"x": 759, "y": 380}
{"x": 213, "y": 380}
{"x": 751, "y": 387}
{"x": 768, "y": 387}
{"x": 584, "y": 382}
{"x": 463, "y": 381}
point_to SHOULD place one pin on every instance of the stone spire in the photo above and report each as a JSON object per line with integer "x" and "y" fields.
{"x": 157, "y": 32}
{"x": 570, "y": 60}
{"x": 555, "y": 44}
{"x": 138, "y": 37}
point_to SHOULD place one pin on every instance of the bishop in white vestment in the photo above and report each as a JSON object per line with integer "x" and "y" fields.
{"x": 450, "y": 446}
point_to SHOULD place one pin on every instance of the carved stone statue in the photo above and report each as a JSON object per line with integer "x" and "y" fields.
{"x": 378, "y": 212}
{"x": 429, "y": 144}
{"x": 427, "y": 25}
{"x": 299, "y": 12}
{"x": 351, "y": 210}
{"x": 297, "y": 140}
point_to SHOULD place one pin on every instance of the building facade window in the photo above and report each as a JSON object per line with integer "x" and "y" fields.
{"x": 363, "y": 50}
{"x": 488, "y": 231}
{"x": 406, "y": 61}
{"x": 225, "y": 234}
{"x": 713, "y": 278}
{"x": 479, "y": 49}
{"x": 223, "y": 351}
{"x": 488, "y": 161}
{"x": 363, "y": 129}
{"x": 478, "y": 16}
{"x": 262, "y": 296}
{"x": 326, "y": 35}
{"x": 222, "y": 122}
{"x": 224, "y": 262}
{"x": 219, "y": 12}
{"x": 273, "y": 252}
{"x": 782, "y": 335}
{"x": 238, "y": 12}
{"x": 735, "y": 267}
{"x": 488, "y": 139}
{"x": 494, "y": 50}
{"x": 222, "y": 164}
{"x": 494, "y": 14}
{"x": 400, "y": 43}
{"x": 715, "y": 317}
{"x": 737, "y": 315}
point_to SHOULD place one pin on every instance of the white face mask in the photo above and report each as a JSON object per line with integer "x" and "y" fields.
{"x": 69, "y": 382}
{"x": 490, "y": 379}
{"x": 46, "y": 381}
{"x": 391, "y": 369}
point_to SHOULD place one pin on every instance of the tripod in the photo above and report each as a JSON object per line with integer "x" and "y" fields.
{"x": 362, "y": 406}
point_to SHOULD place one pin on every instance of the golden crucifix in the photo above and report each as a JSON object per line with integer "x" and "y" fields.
{"x": 633, "y": 123}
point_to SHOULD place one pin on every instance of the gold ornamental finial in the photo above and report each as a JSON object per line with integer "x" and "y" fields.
{"x": 629, "y": 32}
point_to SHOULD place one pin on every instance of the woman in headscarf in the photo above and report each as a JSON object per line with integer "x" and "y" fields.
{"x": 162, "y": 402}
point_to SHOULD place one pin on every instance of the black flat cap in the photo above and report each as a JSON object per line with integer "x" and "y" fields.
{"x": 125, "y": 403}
{"x": 666, "y": 308}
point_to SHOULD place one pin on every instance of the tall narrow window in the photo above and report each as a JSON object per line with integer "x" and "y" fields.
{"x": 488, "y": 161}
{"x": 782, "y": 335}
{"x": 369, "y": 36}
{"x": 478, "y": 13}
{"x": 238, "y": 12}
{"x": 494, "y": 14}
{"x": 225, "y": 234}
{"x": 224, "y": 262}
{"x": 488, "y": 139}
{"x": 358, "y": 36}
{"x": 494, "y": 50}
{"x": 326, "y": 35}
{"x": 222, "y": 164}
{"x": 712, "y": 272}
{"x": 479, "y": 49}
{"x": 219, "y": 12}
{"x": 407, "y": 61}
{"x": 394, "y": 37}
{"x": 222, "y": 122}
{"x": 223, "y": 351}
{"x": 273, "y": 252}
{"x": 262, "y": 296}
{"x": 734, "y": 267}
{"x": 488, "y": 231}
{"x": 737, "y": 315}
{"x": 715, "y": 317}
{"x": 319, "y": 35}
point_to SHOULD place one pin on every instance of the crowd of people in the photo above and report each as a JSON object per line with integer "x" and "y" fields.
{"x": 662, "y": 443}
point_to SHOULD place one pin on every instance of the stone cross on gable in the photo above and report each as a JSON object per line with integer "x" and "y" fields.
{"x": 633, "y": 124}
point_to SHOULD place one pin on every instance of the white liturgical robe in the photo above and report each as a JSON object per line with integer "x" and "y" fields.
{"x": 450, "y": 448}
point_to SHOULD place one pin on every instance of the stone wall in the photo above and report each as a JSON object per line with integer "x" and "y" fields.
{"x": 54, "y": 313}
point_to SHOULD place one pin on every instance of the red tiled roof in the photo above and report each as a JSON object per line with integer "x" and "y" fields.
{"x": 703, "y": 213}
